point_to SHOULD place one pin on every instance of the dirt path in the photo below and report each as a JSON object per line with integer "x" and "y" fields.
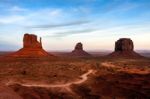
{"x": 83, "y": 77}
{"x": 65, "y": 86}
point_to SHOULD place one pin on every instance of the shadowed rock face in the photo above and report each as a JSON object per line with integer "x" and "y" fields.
{"x": 31, "y": 47}
{"x": 78, "y": 51}
{"x": 79, "y": 46}
{"x": 124, "y": 47}
{"x": 124, "y": 44}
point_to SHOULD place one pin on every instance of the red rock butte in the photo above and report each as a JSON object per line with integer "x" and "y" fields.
{"x": 124, "y": 47}
{"x": 79, "y": 52}
{"x": 31, "y": 47}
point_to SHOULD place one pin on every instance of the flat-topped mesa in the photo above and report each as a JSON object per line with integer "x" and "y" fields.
{"x": 30, "y": 41}
{"x": 78, "y": 51}
{"x": 31, "y": 47}
{"x": 124, "y": 44}
{"x": 124, "y": 47}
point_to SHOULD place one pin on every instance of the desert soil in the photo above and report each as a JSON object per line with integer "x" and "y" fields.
{"x": 77, "y": 78}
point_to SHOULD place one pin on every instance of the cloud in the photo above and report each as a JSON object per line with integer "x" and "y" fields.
{"x": 115, "y": 7}
{"x": 17, "y": 9}
{"x": 10, "y": 19}
{"x": 71, "y": 32}
{"x": 12, "y": 15}
{"x": 73, "y": 23}
{"x": 22, "y": 16}
{"x": 127, "y": 30}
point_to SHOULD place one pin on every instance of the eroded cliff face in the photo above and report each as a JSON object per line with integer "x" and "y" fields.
{"x": 124, "y": 47}
{"x": 79, "y": 46}
{"x": 79, "y": 52}
{"x": 30, "y": 41}
{"x": 31, "y": 47}
{"x": 124, "y": 44}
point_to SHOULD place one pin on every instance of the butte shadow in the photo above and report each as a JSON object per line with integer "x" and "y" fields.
{"x": 124, "y": 48}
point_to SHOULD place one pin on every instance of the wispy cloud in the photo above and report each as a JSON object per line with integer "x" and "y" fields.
{"x": 71, "y": 32}
{"x": 17, "y": 9}
{"x": 10, "y": 19}
{"x": 19, "y": 16}
{"x": 73, "y": 23}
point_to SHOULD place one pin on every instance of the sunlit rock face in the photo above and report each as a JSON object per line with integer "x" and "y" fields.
{"x": 31, "y": 47}
{"x": 79, "y": 52}
{"x": 124, "y": 47}
{"x": 30, "y": 41}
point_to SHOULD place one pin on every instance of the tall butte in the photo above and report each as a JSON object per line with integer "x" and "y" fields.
{"x": 31, "y": 47}
{"x": 78, "y": 51}
{"x": 124, "y": 47}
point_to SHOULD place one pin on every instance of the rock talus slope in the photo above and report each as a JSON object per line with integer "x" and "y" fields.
{"x": 31, "y": 47}
{"x": 79, "y": 52}
{"x": 124, "y": 47}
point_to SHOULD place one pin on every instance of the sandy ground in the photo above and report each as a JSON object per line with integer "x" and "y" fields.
{"x": 8, "y": 93}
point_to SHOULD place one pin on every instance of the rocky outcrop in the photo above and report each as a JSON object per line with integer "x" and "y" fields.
{"x": 79, "y": 52}
{"x": 79, "y": 46}
{"x": 30, "y": 41}
{"x": 124, "y": 47}
{"x": 31, "y": 47}
{"x": 124, "y": 44}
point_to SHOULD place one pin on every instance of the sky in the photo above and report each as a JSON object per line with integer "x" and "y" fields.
{"x": 63, "y": 23}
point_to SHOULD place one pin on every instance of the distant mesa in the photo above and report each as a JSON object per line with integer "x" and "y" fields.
{"x": 124, "y": 47}
{"x": 79, "y": 52}
{"x": 79, "y": 46}
{"x": 124, "y": 44}
{"x": 31, "y": 47}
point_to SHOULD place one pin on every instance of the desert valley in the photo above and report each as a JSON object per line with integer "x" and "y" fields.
{"x": 74, "y": 49}
{"x": 33, "y": 73}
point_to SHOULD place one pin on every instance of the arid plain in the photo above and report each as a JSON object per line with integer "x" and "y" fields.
{"x": 123, "y": 74}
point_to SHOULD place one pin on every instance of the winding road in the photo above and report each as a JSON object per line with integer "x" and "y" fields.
{"x": 65, "y": 86}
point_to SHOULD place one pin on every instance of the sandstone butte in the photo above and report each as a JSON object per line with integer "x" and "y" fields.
{"x": 124, "y": 47}
{"x": 31, "y": 48}
{"x": 79, "y": 52}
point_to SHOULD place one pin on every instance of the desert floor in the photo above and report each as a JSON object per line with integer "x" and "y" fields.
{"x": 76, "y": 78}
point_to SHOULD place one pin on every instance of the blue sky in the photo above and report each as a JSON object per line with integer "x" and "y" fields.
{"x": 63, "y": 23}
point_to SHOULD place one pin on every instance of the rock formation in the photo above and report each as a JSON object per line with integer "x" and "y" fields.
{"x": 79, "y": 52}
{"x": 124, "y": 47}
{"x": 30, "y": 41}
{"x": 79, "y": 46}
{"x": 124, "y": 44}
{"x": 31, "y": 47}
